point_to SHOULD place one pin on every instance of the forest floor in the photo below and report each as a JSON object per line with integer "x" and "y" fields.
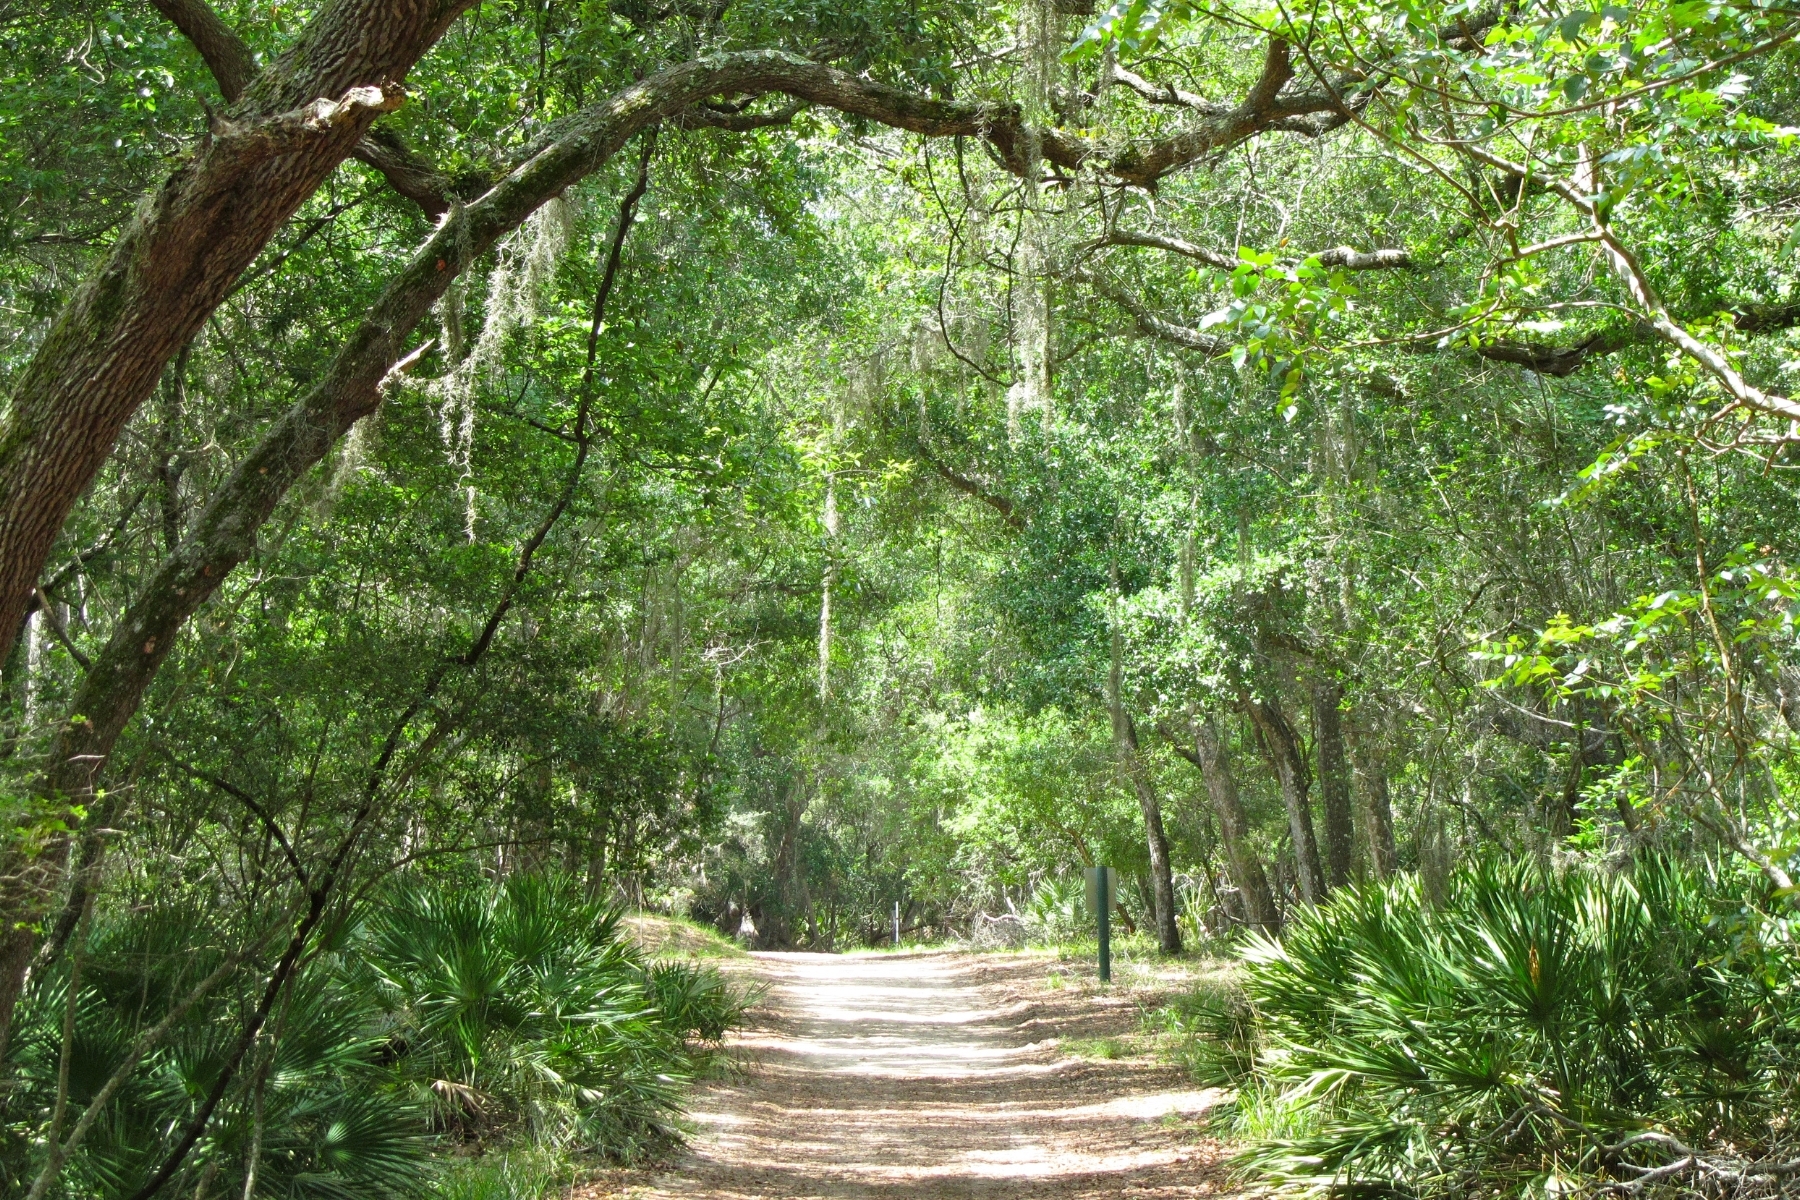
{"x": 938, "y": 1076}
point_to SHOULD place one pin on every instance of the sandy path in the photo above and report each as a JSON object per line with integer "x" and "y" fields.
{"x": 928, "y": 1076}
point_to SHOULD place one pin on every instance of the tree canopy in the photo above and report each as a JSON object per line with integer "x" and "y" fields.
{"x": 776, "y": 460}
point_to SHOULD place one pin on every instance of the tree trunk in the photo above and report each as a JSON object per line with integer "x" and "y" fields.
{"x": 829, "y": 519}
{"x": 778, "y": 928}
{"x": 596, "y": 864}
{"x": 1562, "y": 817}
{"x": 1283, "y": 750}
{"x": 1372, "y": 794}
{"x": 1234, "y": 827}
{"x": 14, "y": 678}
{"x": 179, "y": 256}
{"x": 1125, "y": 745}
{"x": 1162, "y": 879}
{"x": 1334, "y": 780}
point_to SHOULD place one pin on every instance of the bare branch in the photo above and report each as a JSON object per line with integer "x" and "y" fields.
{"x": 231, "y": 62}
{"x": 1264, "y": 108}
{"x": 248, "y": 801}
{"x": 62, "y": 634}
{"x": 1655, "y": 313}
{"x": 706, "y": 116}
{"x": 1557, "y": 361}
{"x": 1151, "y": 241}
{"x": 1162, "y": 93}
{"x": 407, "y": 171}
{"x": 105, "y": 543}
{"x": 1335, "y": 257}
{"x": 974, "y": 488}
{"x": 1151, "y": 325}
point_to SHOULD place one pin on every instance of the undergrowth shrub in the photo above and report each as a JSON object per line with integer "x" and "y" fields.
{"x": 1533, "y": 1034}
{"x": 1056, "y": 910}
{"x": 445, "y": 1016}
{"x": 519, "y": 1011}
{"x": 329, "y": 1124}
{"x": 695, "y": 1001}
{"x": 525, "y": 1175}
{"x": 1212, "y": 1030}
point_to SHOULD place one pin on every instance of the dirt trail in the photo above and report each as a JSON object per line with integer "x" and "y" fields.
{"x": 927, "y": 1076}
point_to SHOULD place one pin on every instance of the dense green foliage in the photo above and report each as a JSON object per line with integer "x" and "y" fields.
{"x": 1531, "y": 1031}
{"x": 478, "y": 1014}
{"x": 1282, "y": 453}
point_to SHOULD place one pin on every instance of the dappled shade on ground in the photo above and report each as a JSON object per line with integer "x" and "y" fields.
{"x": 937, "y": 1075}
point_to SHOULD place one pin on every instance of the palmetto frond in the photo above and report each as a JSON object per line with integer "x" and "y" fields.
{"x": 1519, "y": 1030}
{"x": 469, "y": 1012}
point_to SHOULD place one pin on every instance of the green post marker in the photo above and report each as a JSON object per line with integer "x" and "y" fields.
{"x": 1102, "y": 886}
{"x": 1104, "y": 912}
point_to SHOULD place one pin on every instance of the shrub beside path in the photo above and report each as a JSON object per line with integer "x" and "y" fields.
{"x": 936, "y": 1076}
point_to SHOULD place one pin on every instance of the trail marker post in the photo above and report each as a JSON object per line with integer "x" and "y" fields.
{"x": 1102, "y": 887}
{"x": 896, "y": 924}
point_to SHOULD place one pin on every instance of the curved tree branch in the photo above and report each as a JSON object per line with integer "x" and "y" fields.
{"x": 1541, "y": 357}
{"x": 1265, "y": 107}
{"x": 1009, "y": 512}
{"x": 1557, "y": 361}
{"x": 707, "y": 117}
{"x": 257, "y": 810}
{"x": 1151, "y": 325}
{"x": 230, "y": 60}
{"x": 407, "y": 171}
{"x": 1652, "y": 310}
{"x": 1336, "y": 257}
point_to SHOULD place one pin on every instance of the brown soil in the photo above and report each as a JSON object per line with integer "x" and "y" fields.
{"x": 927, "y": 1076}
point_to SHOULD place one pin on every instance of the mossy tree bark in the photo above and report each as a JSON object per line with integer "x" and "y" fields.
{"x": 1368, "y": 755}
{"x": 1209, "y": 753}
{"x": 1281, "y": 745}
{"x": 1334, "y": 780}
{"x": 179, "y": 257}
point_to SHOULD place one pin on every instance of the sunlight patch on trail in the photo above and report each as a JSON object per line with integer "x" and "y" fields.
{"x": 910, "y": 1076}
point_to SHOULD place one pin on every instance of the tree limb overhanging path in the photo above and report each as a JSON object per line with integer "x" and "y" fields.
{"x": 290, "y": 125}
{"x": 937, "y": 1076}
{"x": 287, "y": 128}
